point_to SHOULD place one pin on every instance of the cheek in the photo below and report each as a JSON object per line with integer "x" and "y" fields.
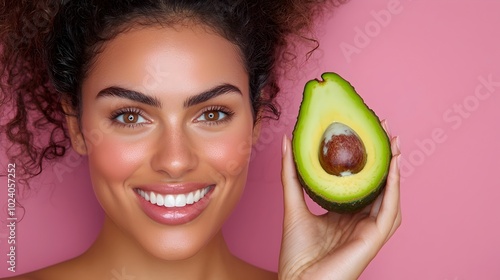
{"x": 114, "y": 160}
{"x": 229, "y": 155}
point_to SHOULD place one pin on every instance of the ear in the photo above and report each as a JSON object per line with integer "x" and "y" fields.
{"x": 256, "y": 129}
{"x": 75, "y": 134}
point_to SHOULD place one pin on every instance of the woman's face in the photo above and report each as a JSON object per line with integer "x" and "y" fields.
{"x": 168, "y": 129}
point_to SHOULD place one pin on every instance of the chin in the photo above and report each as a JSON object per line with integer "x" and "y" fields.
{"x": 174, "y": 252}
{"x": 176, "y": 243}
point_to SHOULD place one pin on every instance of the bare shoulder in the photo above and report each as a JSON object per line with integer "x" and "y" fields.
{"x": 248, "y": 271}
{"x": 28, "y": 276}
{"x": 21, "y": 277}
{"x": 259, "y": 273}
{"x": 264, "y": 275}
{"x": 55, "y": 272}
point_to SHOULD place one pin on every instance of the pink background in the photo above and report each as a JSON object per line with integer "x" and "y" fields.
{"x": 419, "y": 69}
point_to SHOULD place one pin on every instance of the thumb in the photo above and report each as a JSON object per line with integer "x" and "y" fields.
{"x": 292, "y": 190}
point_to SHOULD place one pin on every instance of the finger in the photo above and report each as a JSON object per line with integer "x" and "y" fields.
{"x": 376, "y": 205}
{"x": 375, "y": 209}
{"x": 292, "y": 190}
{"x": 390, "y": 204}
{"x": 397, "y": 221}
{"x": 385, "y": 125}
{"x": 395, "y": 226}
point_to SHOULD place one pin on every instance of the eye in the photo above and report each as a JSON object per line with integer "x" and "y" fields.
{"x": 212, "y": 116}
{"x": 215, "y": 115}
{"x": 129, "y": 116}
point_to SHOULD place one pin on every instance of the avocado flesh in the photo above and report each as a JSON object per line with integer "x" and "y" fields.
{"x": 325, "y": 102}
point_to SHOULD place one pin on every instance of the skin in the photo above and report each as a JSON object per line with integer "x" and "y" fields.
{"x": 172, "y": 65}
{"x": 174, "y": 144}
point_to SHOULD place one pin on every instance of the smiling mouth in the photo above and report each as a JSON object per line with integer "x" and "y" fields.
{"x": 173, "y": 200}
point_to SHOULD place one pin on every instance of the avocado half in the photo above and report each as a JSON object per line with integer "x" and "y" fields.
{"x": 334, "y": 100}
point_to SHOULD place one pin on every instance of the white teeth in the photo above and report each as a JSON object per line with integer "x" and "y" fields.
{"x": 169, "y": 200}
{"x": 190, "y": 198}
{"x": 180, "y": 200}
{"x": 159, "y": 200}
{"x": 152, "y": 197}
{"x": 197, "y": 196}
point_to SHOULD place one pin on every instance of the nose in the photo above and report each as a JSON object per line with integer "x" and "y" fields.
{"x": 174, "y": 154}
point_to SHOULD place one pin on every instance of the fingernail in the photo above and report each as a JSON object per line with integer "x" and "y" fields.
{"x": 386, "y": 125}
{"x": 398, "y": 144}
{"x": 398, "y": 159}
{"x": 284, "y": 145}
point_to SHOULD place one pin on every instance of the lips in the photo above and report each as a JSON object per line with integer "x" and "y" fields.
{"x": 174, "y": 205}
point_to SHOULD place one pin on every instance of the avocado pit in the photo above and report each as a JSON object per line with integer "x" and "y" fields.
{"x": 341, "y": 153}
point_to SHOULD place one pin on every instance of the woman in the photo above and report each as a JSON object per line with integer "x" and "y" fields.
{"x": 177, "y": 90}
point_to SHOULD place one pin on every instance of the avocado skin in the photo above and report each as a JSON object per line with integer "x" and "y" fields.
{"x": 350, "y": 206}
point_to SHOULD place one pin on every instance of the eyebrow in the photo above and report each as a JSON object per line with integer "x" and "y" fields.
{"x": 211, "y": 93}
{"x": 129, "y": 94}
{"x": 155, "y": 102}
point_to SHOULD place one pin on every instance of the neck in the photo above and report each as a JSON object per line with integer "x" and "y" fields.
{"x": 115, "y": 254}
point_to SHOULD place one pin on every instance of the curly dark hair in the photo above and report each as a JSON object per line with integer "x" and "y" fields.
{"x": 47, "y": 47}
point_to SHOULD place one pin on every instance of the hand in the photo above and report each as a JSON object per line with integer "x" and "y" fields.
{"x": 334, "y": 246}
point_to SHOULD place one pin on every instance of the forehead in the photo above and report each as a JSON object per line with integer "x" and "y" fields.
{"x": 154, "y": 59}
